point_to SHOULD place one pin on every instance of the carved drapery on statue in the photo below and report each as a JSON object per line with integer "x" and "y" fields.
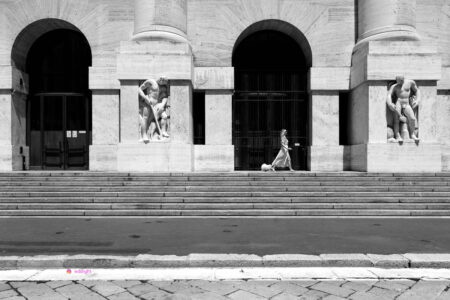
{"x": 154, "y": 113}
{"x": 402, "y": 110}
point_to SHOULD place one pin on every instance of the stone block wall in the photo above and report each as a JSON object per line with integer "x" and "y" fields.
{"x": 215, "y": 26}
{"x": 212, "y": 29}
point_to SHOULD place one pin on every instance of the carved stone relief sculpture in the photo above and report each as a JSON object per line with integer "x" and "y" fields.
{"x": 154, "y": 110}
{"x": 402, "y": 110}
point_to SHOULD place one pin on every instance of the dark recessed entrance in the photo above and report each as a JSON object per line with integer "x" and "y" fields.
{"x": 59, "y": 105}
{"x": 270, "y": 95}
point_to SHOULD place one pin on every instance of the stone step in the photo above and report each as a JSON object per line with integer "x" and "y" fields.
{"x": 229, "y": 213}
{"x": 222, "y": 206}
{"x": 237, "y": 194}
{"x": 230, "y": 177}
{"x": 62, "y": 184}
{"x": 208, "y": 174}
{"x": 227, "y": 200}
{"x": 227, "y": 189}
{"x": 228, "y": 194}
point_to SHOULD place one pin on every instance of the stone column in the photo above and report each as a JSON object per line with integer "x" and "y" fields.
{"x": 181, "y": 123}
{"x": 105, "y": 130}
{"x": 129, "y": 121}
{"x": 5, "y": 130}
{"x": 160, "y": 19}
{"x": 325, "y": 153}
{"x": 383, "y": 19}
{"x": 218, "y": 152}
{"x": 218, "y": 117}
{"x": 13, "y": 96}
{"x": 158, "y": 47}
{"x": 105, "y": 118}
{"x": 388, "y": 46}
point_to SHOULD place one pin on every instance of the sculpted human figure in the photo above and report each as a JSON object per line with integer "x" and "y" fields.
{"x": 161, "y": 107}
{"x": 403, "y": 99}
{"x": 153, "y": 117}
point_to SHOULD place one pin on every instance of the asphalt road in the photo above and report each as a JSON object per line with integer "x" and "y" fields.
{"x": 163, "y": 236}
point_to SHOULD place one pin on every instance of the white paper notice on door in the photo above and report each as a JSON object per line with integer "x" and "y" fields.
{"x": 74, "y": 134}
{"x": 68, "y": 133}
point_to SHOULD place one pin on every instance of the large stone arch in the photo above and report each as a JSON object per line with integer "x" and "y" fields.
{"x": 21, "y": 14}
{"x": 271, "y": 61}
{"x": 26, "y": 38}
{"x": 283, "y": 27}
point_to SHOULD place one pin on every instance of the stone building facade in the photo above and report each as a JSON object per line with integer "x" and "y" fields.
{"x": 55, "y": 115}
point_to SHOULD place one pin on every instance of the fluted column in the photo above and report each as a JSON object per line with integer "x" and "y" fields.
{"x": 386, "y": 19}
{"x": 160, "y": 20}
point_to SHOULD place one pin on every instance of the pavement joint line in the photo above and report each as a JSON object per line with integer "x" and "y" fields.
{"x": 229, "y": 260}
{"x": 221, "y": 274}
{"x": 410, "y": 217}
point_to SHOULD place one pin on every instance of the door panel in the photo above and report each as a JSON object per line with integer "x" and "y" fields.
{"x": 59, "y": 132}
{"x": 268, "y": 102}
{"x": 53, "y": 136}
{"x": 35, "y": 132}
{"x": 77, "y": 132}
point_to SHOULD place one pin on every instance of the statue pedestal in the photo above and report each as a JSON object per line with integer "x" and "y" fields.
{"x": 155, "y": 157}
{"x": 374, "y": 65}
{"x": 137, "y": 62}
{"x": 395, "y": 157}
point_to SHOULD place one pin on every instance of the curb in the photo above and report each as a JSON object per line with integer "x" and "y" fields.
{"x": 393, "y": 261}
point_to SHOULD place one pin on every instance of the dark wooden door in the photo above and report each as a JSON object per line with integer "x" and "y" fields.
{"x": 60, "y": 133}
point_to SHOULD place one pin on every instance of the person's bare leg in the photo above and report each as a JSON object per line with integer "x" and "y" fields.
{"x": 409, "y": 113}
{"x": 164, "y": 126}
{"x": 397, "y": 134}
{"x": 145, "y": 126}
{"x": 152, "y": 130}
{"x": 141, "y": 128}
{"x": 290, "y": 164}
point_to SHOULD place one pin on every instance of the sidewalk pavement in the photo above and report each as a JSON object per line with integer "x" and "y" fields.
{"x": 404, "y": 289}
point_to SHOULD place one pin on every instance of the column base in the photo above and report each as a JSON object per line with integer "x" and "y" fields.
{"x": 150, "y": 35}
{"x": 394, "y": 157}
{"x": 214, "y": 158}
{"x": 326, "y": 158}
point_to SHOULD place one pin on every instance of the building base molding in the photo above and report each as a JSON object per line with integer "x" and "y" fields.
{"x": 217, "y": 158}
{"x": 446, "y": 158}
{"x": 326, "y": 158}
{"x": 103, "y": 158}
{"x": 14, "y": 158}
{"x": 394, "y": 157}
{"x": 155, "y": 157}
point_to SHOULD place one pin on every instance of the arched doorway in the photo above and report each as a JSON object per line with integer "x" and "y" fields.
{"x": 59, "y": 101}
{"x": 270, "y": 94}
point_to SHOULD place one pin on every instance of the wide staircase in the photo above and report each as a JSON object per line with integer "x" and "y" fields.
{"x": 235, "y": 194}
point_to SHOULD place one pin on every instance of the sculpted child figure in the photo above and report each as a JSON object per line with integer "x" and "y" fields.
{"x": 153, "y": 117}
{"x": 407, "y": 95}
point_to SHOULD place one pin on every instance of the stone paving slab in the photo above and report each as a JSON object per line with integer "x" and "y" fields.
{"x": 228, "y": 289}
